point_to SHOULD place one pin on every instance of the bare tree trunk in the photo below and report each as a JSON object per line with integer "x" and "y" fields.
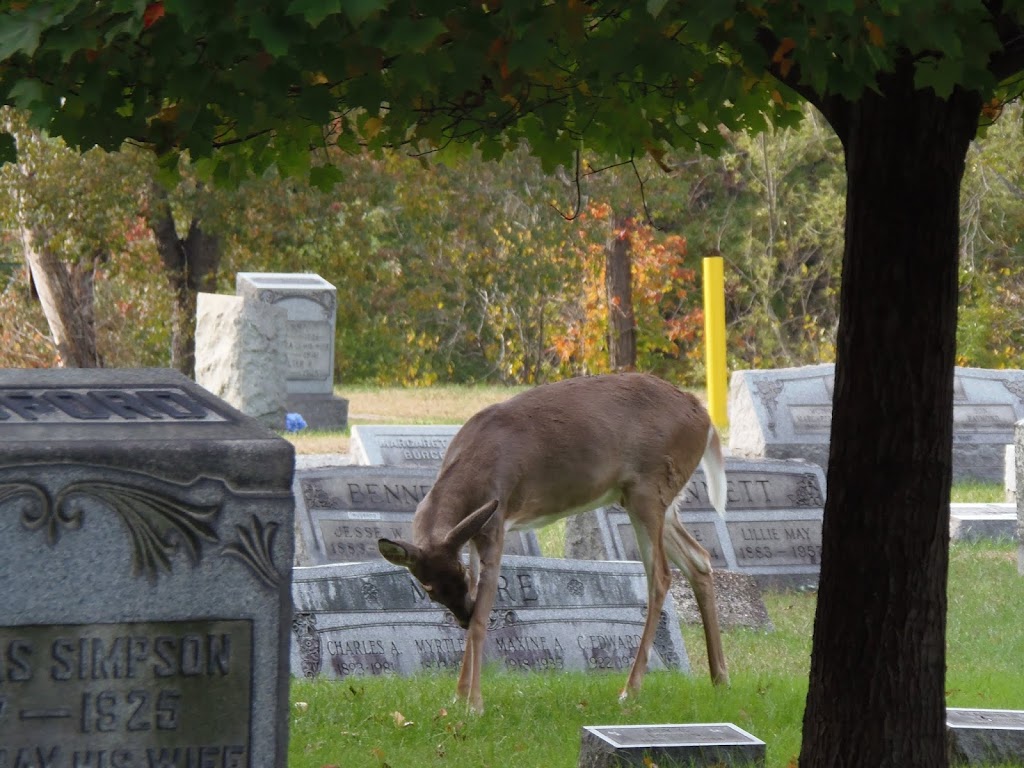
{"x": 191, "y": 265}
{"x": 877, "y": 694}
{"x": 619, "y": 290}
{"x": 66, "y": 295}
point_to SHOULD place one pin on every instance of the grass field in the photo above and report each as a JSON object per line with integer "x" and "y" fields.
{"x": 535, "y": 720}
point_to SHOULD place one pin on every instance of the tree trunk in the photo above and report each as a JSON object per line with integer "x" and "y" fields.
{"x": 618, "y": 282}
{"x": 191, "y": 266}
{"x": 876, "y": 694}
{"x": 67, "y": 298}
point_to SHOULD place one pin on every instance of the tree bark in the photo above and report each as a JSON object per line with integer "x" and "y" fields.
{"x": 877, "y": 695}
{"x": 191, "y": 265}
{"x": 67, "y": 298}
{"x": 619, "y": 291}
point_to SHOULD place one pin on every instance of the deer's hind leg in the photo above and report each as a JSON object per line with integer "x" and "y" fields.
{"x": 694, "y": 562}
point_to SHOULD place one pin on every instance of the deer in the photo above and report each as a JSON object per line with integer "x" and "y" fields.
{"x": 557, "y": 450}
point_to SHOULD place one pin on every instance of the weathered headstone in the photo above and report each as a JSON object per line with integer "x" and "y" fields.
{"x": 311, "y": 305}
{"x": 342, "y": 511}
{"x": 691, "y": 745}
{"x": 398, "y": 445}
{"x": 1018, "y": 441}
{"x": 974, "y": 522}
{"x": 550, "y": 615}
{"x": 146, "y": 544}
{"x": 1010, "y": 471}
{"x": 771, "y": 530}
{"x": 985, "y": 736}
{"x": 787, "y": 413}
{"x": 241, "y": 355}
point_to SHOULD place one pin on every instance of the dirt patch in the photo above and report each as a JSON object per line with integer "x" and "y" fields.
{"x": 738, "y": 597}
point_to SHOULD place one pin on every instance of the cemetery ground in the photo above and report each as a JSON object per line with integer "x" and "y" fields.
{"x": 535, "y": 719}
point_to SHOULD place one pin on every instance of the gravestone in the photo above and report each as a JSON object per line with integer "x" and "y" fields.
{"x": 241, "y": 355}
{"x": 975, "y": 522}
{"x": 691, "y": 745}
{"x": 398, "y": 445}
{"x": 550, "y": 615}
{"x": 771, "y": 530}
{"x": 787, "y": 413}
{"x": 985, "y": 736}
{"x": 342, "y": 511}
{"x": 146, "y": 543}
{"x": 1019, "y": 460}
{"x": 1010, "y": 472}
{"x": 311, "y": 305}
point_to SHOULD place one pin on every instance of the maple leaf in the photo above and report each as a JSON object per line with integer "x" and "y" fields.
{"x": 153, "y": 13}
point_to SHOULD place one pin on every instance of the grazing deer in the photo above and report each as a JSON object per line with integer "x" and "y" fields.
{"x": 554, "y": 451}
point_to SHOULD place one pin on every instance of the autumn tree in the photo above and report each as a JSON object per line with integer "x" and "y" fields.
{"x": 902, "y": 82}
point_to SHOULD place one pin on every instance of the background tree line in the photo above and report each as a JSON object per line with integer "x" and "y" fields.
{"x": 483, "y": 271}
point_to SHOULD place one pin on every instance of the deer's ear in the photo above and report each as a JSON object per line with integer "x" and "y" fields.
{"x": 471, "y": 526}
{"x": 398, "y": 552}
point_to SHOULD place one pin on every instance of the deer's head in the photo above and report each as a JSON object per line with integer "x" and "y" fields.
{"x": 438, "y": 569}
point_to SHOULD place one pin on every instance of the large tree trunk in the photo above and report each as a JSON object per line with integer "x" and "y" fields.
{"x": 66, "y": 294}
{"x": 191, "y": 266}
{"x": 876, "y": 693}
{"x": 619, "y": 291}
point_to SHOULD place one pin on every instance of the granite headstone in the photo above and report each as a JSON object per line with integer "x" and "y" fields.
{"x": 787, "y": 413}
{"x": 690, "y": 745}
{"x": 342, "y": 511}
{"x": 241, "y": 355}
{"x": 398, "y": 445}
{"x": 311, "y": 305}
{"x": 550, "y": 615}
{"x": 771, "y": 530}
{"x": 985, "y": 736}
{"x": 146, "y": 544}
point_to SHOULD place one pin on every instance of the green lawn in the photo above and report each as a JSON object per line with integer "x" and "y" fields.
{"x": 535, "y": 719}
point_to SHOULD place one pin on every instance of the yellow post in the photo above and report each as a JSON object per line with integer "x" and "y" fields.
{"x": 714, "y": 339}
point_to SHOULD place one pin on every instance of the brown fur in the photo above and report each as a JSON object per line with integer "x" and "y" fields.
{"x": 550, "y": 452}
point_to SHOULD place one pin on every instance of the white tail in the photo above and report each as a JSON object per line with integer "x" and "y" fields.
{"x": 714, "y": 471}
{"x": 554, "y": 451}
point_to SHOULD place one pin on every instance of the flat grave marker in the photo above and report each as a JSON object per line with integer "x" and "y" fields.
{"x": 397, "y": 445}
{"x": 771, "y": 530}
{"x": 146, "y": 543}
{"x": 341, "y": 512}
{"x": 985, "y": 736}
{"x": 550, "y": 615}
{"x": 787, "y": 413}
{"x": 690, "y": 745}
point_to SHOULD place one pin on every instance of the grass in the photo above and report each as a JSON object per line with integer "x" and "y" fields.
{"x": 535, "y": 720}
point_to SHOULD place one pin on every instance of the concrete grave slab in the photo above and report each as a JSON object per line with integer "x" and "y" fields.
{"x": 146, "y": 543}
{"x": 342, "y": 511}
{"x": 691, "y": 745}
{"x": 974, "y": 522}
{"x": 985, "y": 736}
{"x": 771, "y": 530}
{"x": 787, "y": 413}
{"x": 550, "y": 615}
{"x": 1018, "y": 441}
{"x": 397, "y": 445}
{"x": 311, "y": 306}
{"x": 1010, "y": 473}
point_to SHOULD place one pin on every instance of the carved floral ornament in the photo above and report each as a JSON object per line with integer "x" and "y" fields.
{"x": 160, "y": 523}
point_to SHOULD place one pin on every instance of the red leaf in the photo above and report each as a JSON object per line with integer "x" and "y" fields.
{"x": 153, "y": 13}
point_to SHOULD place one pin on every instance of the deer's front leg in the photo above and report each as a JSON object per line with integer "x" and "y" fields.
{"x": 476, "y": 635}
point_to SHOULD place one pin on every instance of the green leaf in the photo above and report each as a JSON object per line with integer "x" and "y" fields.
{"x": 324, "y": 177}
{"x": 655, "y": 7}
{"x": 315, "y": 11}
